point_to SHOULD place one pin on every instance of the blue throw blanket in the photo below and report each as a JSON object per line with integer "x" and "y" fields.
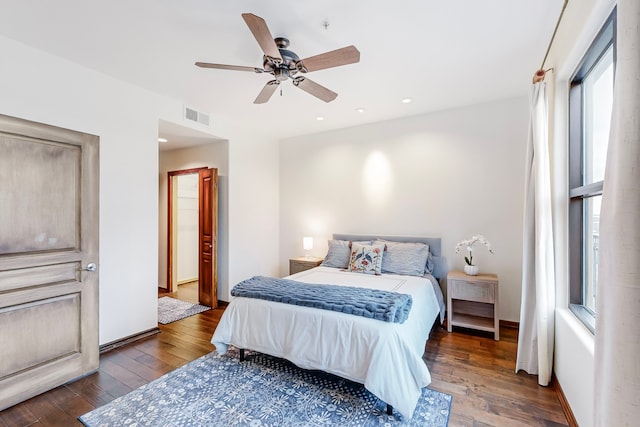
{"x": 372, "y": 303}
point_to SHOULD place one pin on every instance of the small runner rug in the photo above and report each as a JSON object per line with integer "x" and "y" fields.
{"x": 171, "y": 309}
{"x": 219, "y": 390}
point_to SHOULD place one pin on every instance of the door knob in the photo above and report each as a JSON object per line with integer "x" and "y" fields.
{"x": 90, "y": 267}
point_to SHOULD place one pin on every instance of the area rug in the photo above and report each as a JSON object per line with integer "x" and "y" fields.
{"x": 219, "y": 390}
{"x": 171, "y": 309}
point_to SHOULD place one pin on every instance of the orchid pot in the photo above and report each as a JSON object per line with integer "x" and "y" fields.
{"x": 471, "y": 270}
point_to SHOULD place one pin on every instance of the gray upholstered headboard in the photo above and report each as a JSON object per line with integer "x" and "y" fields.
{"x": 434, "y": 243}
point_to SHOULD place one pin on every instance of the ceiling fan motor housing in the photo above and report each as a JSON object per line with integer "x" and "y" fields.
{"x": 285, "y": 69}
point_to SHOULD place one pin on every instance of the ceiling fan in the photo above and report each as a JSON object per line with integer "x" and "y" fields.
{"x": 283, "y": 64}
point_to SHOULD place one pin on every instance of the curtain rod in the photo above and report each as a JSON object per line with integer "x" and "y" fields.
{"x": 540, "y": 73}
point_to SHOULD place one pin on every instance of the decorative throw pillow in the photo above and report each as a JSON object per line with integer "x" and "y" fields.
{"x": 338, "y": 254}
{"x": 404, "y": 257}
{"x": 366, "y": 258}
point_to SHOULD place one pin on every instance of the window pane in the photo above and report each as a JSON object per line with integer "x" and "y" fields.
{"x": 591, "y": 233}
{"x": 590, "y": 108}
{"x": 598, "y": 103}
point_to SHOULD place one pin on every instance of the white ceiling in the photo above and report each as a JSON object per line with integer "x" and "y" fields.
{"x": 442, "y": 54}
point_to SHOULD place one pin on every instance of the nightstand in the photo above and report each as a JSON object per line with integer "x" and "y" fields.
{"x": 472, "y": 302}
{"x": 296, "y": 265}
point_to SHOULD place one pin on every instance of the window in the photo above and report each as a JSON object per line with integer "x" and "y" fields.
{"x": 590, "y": 106}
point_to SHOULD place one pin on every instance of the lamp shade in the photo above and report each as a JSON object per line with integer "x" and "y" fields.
{"x": 307, "y": 243}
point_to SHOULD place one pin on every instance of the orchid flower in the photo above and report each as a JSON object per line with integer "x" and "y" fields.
{"x": 469, "y": 243}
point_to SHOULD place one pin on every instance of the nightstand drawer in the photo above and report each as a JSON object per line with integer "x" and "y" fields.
{"x": 473, "y": 291}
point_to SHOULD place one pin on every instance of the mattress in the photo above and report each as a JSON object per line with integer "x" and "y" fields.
{"x": 385, "y": 357}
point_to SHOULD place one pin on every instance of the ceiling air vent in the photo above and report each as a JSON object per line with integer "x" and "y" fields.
{"x": 196, "y": 116}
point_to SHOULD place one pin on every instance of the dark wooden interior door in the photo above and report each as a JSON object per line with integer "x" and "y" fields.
{"x": 208, "y": 218}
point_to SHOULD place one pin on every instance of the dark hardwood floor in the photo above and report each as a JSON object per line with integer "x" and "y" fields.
{"x": 480, "y": 375}
{"x": 475, "y": 369}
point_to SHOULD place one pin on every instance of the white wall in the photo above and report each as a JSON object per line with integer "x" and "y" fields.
{"x": 574, "y": 344}
{"x": 253, "y": 206}
{"x": 40, "y": 87}
{"x": 451, "y": 174}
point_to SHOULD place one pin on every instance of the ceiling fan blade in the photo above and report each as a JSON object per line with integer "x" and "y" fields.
{"x": 229, "y": 67}
{"x": 262, "y": 35}
{"x": 266, "y": 92}
{"x": 315, "y": 89}
{"x": 335, "y": 58}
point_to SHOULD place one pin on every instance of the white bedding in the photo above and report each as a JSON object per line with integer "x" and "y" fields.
{"x": 385, "y": 357}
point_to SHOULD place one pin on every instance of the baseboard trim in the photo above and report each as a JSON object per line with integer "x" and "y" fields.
{"x": 127, "y": 340}
{"x": 509, "y": 324}
{"x": 571, "y": 419}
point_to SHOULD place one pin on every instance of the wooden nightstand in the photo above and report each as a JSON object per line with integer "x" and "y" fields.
{"x": 296, "y": 265}
{"x": 472, "y": 302}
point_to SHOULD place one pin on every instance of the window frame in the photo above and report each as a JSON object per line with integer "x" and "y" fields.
{"x": 579, "y": 192}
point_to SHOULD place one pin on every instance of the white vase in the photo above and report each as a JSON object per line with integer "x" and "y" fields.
{"x": 471, "y": 270}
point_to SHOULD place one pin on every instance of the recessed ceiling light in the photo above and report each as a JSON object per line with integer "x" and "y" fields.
{"x": 162, "y": 140}
{"x": 406, "y": 100}
{"x": 319, "y": 118}
{"x": 360, "y": 110}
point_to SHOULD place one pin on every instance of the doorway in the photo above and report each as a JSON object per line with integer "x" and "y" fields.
{"x": 192, "y": 232}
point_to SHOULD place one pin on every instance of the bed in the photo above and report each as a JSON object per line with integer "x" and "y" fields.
{"x": 386, "y": 357}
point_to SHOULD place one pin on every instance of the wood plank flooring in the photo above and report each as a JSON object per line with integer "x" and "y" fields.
{"x": 475, "y": 369}
{"x": 480, "y": 375}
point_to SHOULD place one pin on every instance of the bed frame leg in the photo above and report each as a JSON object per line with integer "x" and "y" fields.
{"x": 242, "y": 354}
{"x": 389, "y": 409}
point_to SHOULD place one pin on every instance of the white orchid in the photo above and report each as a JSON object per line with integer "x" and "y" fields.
{"x": 469, "y": 243}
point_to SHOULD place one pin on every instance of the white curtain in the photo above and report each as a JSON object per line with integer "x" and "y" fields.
{"x": 617, "y": 343}
{"x": 536, "y": 335}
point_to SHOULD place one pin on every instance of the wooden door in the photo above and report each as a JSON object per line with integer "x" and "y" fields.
{"x": 48, "y": 237}
{"x": 208, "y": 229}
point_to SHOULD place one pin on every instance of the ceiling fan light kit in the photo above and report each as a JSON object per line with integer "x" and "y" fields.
{"x": 284, "y": 64}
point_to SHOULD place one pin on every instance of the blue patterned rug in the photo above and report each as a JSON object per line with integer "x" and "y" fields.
{"x": 261, "y": 391}
{"x": 171, "y": 309}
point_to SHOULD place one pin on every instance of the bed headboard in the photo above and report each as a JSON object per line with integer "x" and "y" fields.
{"x": 435, "y": 247}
